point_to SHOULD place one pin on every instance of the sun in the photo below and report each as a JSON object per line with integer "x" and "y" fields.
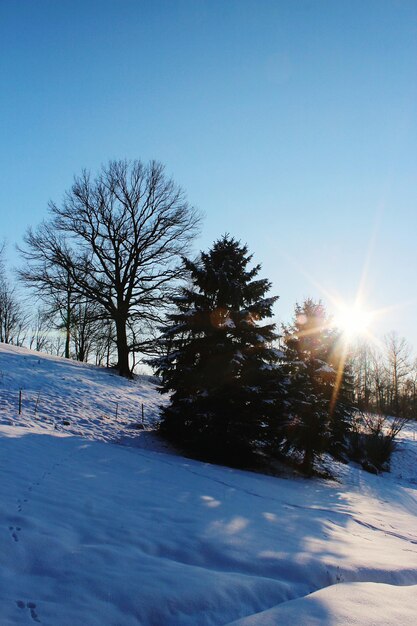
{"x": 353, "y": 321}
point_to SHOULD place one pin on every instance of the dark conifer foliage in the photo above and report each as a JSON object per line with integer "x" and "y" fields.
{"x": 219, "y": 362}
{"x": 342, "y": 403}
{"x": 320, "y": 402}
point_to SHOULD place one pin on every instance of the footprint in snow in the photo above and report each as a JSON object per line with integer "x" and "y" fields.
{"x": 19, "y": 506}
{"x": 14, "y": 530}
{"x": 31, "y": 606}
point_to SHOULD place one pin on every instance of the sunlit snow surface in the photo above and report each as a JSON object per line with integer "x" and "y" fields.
{"x": 100, "y": 525}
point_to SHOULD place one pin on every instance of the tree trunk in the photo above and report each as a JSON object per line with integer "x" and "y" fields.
{"x": 68, "y": 320}
{"x": 108, "y": 352}
{"x": 122, "y": 349}
{"x": 67, "y": 334}
{"x": 307, "y": 464}
{"x": 81, "y": 356}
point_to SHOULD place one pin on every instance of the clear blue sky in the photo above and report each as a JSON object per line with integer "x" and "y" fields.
{"x": 292, "y": 125}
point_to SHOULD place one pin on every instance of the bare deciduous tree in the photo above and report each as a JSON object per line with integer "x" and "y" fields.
{"x": 362, "y": 374}
{"x": 85, "y": 329}
{"x": 105, "y": 344}
{"x": 398, "y": 367}
{"x": 116, "y": 239}
{"x": 13, "y": 320}
{"x": 39, "y": 337}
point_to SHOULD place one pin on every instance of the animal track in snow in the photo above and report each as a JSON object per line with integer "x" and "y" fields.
{"x": 20, "y": 504}
{"x": 31, "y": 606}
{"x": 32, "y": 488}
{"x": 14, "y": 530}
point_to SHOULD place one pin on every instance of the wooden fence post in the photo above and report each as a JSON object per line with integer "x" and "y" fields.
{"x": 37, "y": 402}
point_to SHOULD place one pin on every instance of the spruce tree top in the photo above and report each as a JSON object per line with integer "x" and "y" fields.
{"x": 221, "y": 279}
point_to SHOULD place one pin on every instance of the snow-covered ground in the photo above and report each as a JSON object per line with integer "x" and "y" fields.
{"x": 99, "y": 525}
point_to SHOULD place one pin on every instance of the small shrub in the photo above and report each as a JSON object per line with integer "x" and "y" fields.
{"x": 372, "y": 440}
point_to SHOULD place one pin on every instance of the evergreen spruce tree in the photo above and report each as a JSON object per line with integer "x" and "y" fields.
{"x": 320, "y": 392}
{"x": 219, "y": 362}
{"x": 342, "y": 403}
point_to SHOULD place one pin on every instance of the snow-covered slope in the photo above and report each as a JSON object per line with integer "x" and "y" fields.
{"x": 97, "y": 533}
{"x": 73, "y": 397}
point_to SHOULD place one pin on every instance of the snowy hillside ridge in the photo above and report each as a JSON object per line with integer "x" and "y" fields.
{"x": 74, "y": 397}
{"x": 94, "y": 533}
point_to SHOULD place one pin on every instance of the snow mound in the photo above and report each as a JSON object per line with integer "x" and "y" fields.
{"x": 355, "y": 604}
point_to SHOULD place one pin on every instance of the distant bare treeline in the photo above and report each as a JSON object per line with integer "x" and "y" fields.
{"x": 385, "y": 377}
